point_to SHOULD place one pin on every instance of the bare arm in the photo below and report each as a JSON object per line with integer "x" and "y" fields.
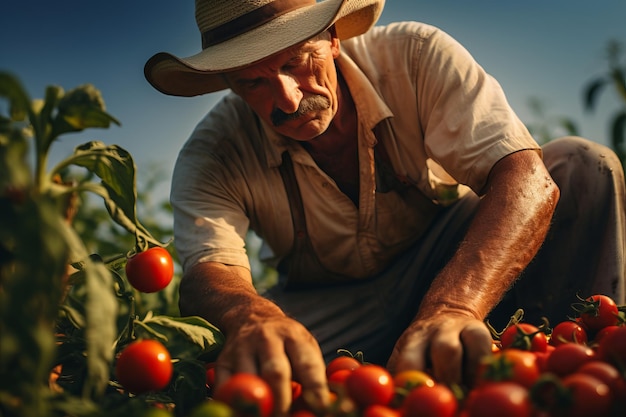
{"x": 260, "y": 338}
{"x": 507, "y": 231}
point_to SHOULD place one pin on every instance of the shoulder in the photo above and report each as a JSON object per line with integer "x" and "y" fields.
{"x": 227, "y": 136}
{"x": 393, "y": 34}
{"x": 404, "y": 47}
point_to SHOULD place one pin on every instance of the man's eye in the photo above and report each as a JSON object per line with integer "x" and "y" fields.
{"x": 250, "y": 84}
{"x": 296, "y": 63}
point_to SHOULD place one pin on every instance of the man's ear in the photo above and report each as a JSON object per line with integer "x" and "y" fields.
{"x": 334, "y": 41}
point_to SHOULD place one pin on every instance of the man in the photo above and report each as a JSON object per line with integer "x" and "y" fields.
{"x": 396, "y": 192}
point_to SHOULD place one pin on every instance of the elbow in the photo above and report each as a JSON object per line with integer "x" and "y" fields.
{"x": 553, "y": 194}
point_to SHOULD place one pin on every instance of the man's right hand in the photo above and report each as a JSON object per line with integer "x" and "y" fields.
{"x": 260, "y": 338}
{"x": 280, "y": 350}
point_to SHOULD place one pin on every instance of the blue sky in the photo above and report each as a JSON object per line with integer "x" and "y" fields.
{"x": 544, "y": 49}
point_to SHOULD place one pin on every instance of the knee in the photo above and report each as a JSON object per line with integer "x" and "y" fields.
{"x": 588, "y": 161}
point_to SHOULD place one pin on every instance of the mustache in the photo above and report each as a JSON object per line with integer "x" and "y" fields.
{"x": 308, "y": 104}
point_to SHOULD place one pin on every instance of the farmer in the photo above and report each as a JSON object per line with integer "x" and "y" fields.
{"x": 396, "y": 192}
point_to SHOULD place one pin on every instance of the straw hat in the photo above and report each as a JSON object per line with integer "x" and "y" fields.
{"x": 237, "y": 33}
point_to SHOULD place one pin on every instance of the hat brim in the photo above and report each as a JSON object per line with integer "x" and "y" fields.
{"x": 202, "y": 73}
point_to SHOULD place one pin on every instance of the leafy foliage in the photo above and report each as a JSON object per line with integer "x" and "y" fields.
{"x": 615, "y": 77}
{"x": 65, "y": 313}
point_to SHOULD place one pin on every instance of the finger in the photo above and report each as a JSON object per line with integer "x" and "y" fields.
{"x": 275, "y": 369}
{"x": 410, "y": 353}
{"x": 446, "y": 354}
{"x": 477, "y": 341}
{"x": 309, "y": 370}
{"x": 233, "y": 360}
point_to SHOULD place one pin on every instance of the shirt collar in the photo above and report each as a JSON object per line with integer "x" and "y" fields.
{"x": 370, "y": 107}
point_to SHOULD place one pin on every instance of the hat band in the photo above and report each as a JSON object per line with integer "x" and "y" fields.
{"x": 250, "y": 20}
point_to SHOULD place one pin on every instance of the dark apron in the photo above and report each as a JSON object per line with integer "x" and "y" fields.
{"x": 301, "y": 268}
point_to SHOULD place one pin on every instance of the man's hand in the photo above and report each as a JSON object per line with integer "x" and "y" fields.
{"x": 448, "y": 345}
{"x": 280, "y": 350}
{"x": 511, "y": 222}
{"x": 260, "y": 338}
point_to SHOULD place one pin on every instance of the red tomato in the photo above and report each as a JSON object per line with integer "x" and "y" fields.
{"x": 568, "y": 332}
{"x": 248, "y": 394}
{"x": 609, "y": 375}
{"x": 411, "y": 379}
{"x": 605, "y": 331}
{"x": 210, "y": 375}
{"x": 342, "y": 362}
{"x": 588, "y": 397}
{"x": 144, "y": 365}
{"x": 566, "y": 358}
{"x": 430, "y": 401}
{"x": 498, "y": 399}
{"x": 524, "y": 336}
{"x": 512, "y": 365}
{"x": 296, "y": 390}
{"x": 337, "y": 380}
{"x": 377, "y": 410}
{"x": 542, "y": 357}
{"x": 598, "y": 311}
{"x": 612, "y": 347}
{"x": 370, "y": 384}
{"x": 302, "y": 413}
{"x": 150, "y": 270}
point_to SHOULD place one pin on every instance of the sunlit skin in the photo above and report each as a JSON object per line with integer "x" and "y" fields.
{"x": 284, "y": 81}
{"x": 301, "y": 95}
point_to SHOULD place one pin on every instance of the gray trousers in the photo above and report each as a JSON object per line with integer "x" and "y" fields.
{"x": 582, "y": 254}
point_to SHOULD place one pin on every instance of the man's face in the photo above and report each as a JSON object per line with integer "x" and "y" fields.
{"x": 294, "y": 91}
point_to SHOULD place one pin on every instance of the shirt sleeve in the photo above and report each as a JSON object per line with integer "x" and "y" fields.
{"x": 467, "y": 121}
{"x": 210, "y": 223}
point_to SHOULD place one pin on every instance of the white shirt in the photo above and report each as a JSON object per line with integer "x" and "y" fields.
{"x": 445, "y": 123}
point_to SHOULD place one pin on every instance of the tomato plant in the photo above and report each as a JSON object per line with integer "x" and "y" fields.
{"x": 430, "y": 401}
{"x": 370, "y": 384}
{"x": 144, "y": 365}
{"x": 151, "y": 270}
{"x": 248, "y": 394}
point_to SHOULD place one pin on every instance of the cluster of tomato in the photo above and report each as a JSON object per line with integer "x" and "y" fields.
{"x": 575, "y": 368}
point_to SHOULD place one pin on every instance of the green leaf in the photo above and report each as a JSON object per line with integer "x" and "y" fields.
{"x": 187, "y": 337}
{"x": 79, "y": 109}
{"x": 100, "y": 316}
{"x": 101, "y": 329}
{"x": 618, "y": 137}
{"x": 44, "y": 121}
{"x": 19, "y": 101}
{"x": 591, "y": 93}
{"x": 116, "y": 168}
{"x": 619, "y": 78}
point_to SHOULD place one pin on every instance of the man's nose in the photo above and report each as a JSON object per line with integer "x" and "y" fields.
{"x": 287, "y": 94}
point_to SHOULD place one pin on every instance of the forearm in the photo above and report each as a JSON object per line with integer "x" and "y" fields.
{"x": 507, "y": 231}
{"x": 224, "y": 295}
